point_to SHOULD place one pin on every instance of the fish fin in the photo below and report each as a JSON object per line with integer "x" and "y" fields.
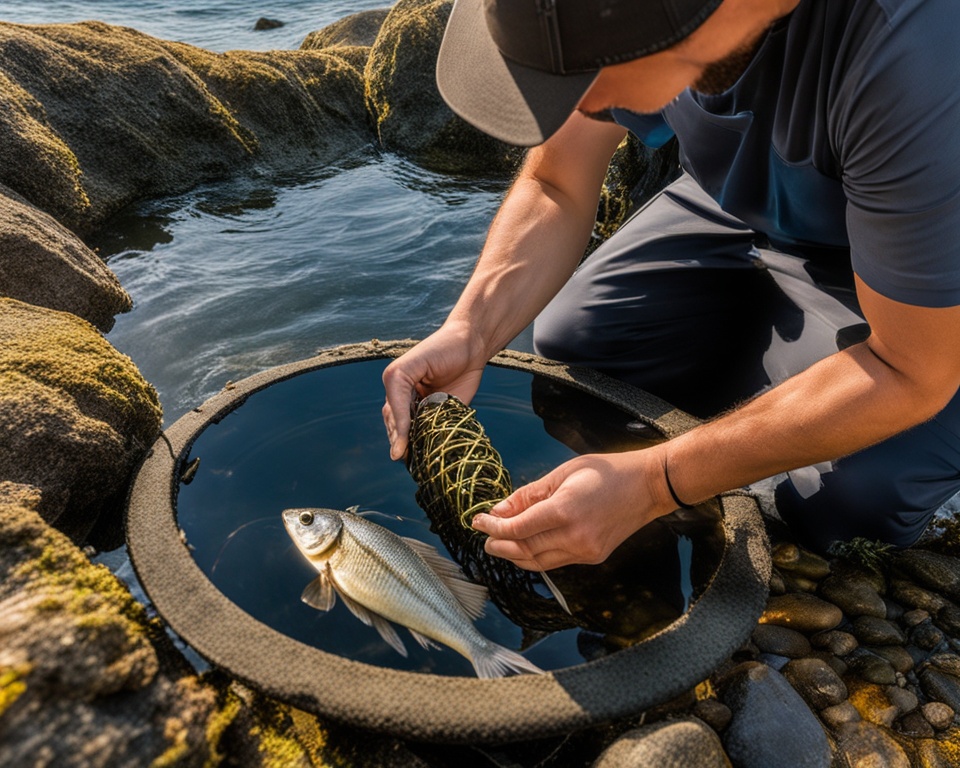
{"x": 375, "y": 620}
{"x": 496, "y": 661}
{"x": 319, "y": 593}
{"x": 555, "y": 592}
{"x": 471, "y": 596}
{"x": 425, "y": 642}
{"x": 354, "y": 510}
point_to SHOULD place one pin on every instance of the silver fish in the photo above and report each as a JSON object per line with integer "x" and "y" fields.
{"x": 383, "y": 577}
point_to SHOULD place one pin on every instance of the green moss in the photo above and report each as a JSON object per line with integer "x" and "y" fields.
{"x": 218, "y": 724}
{"x": 12, "y": 685}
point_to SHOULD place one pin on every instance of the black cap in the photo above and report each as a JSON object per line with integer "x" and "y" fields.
{"x": 516, "y": 69}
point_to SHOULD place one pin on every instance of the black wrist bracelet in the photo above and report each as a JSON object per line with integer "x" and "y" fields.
{"x": 666, "y": 475}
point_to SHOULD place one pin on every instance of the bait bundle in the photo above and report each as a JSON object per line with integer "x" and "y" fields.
{"x": 460, "y": 474}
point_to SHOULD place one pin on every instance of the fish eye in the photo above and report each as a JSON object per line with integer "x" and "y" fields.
{"x": 306, "y": 518}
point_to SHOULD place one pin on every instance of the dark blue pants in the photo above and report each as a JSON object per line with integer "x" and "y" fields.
{"x": 689, "y": 304}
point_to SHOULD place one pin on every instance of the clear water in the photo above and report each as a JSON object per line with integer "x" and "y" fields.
{"x": 316, "y": 441}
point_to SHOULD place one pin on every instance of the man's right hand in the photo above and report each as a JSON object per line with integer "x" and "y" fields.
{"x": 446, "y": 361}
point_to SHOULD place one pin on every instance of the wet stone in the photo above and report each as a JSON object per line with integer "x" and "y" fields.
{"x": 948, "y": 619}
{"x": 773, "y": 661}
{"x": 871, "y": 630}
{"x": 785, "y": 554}
{"x": 940, "y": 573}
{"x": 771, "y": 723}
{"x": 816, "y": 682}
{"x": 905, "y": 701}
{"x": 840, "y": 714}
{"x": 854, "y": 596}
{"x": 777, "y": 585}
{"x": 714, "y": 713}
{"x": 667, "y": 743}
{"x": 915, "y": 725}
{"x": 915, "y": 597}
{"x": 872, "y": 668}
{"x": 782, "y": 641}
{"x": 837, "y": 642}
{"x": 801, "y": 611}
{"x": 837, "y": 665}
{"x": 914, "y": 617}
{"x": 863, "y": 744}
{"x": 938, "y": 714}
{"x": 946, "y": 662}
{"x": 926, "y": 636}
{"x": 800, "y": 563}
{"x": 897, "y": 655}
{"x": 895, "y": 611}
{"x": 872, "y": 703}
{"x": 941, "y": 687}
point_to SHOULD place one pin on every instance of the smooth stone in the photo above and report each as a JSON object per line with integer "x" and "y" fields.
{"x": 773, "y": 661}
{"x": 872, "y": 702}
{"x": 926, "y": 636}
{"x": 714, "y": 713}
{"x": 938, "y": 714}
{"x": 837, "y": 665}
{"x": 866, "y": 746}
{"x": 946, "y": 662}
{"x": 905, "y": 701}
{"x": 839, "y": 643}
{"x": 771, "y": 723}
{"x": 941, "y": 687}
{"x": 804, "y": 565}
{"x": 840, "y": 714}
{"x": 782, "y": 641}
{"x": 897, "y": 655}
{"x": 915, "y": 725}
{"x": 871, "y": 667}
{"x": 669, "y": 743}
{"x": 941, "y": 752}
{"x": 895, "y": 611}
{"x": 846, "y": 570}
{"x": 948, "y": 619}
{"x": 940, "y": 573}
{"x": 784, "y": 554}
{"x": 916, "y": 597}
{"x": 915, "y": 616}
{"x": 801, "y": 611}
{"x": 871, "y": 630}
{"x": 855, "y": 597}
{"x": 777, "y": 585}
{"x": 818, "y": 684}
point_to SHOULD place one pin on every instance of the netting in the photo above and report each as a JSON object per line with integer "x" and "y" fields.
{"x": 459, "y": 474}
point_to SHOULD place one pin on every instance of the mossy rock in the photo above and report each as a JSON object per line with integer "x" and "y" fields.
{"x": 76, "y": 416}
{"x": 45, "y": 264}
{"x": 410, "y": 115}
{"x": 94, "y": 116}
{"x": 358, "y": 29}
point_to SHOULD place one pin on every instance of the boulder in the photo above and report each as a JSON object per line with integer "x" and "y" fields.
{"x": 45, "y": 264}
{"x": 157, "y": 117}
{"x": 667, "y": 744}
{"x": 409, "y": 114}
{"x": 358, "y": 29}
{"x": 75, "y": 414}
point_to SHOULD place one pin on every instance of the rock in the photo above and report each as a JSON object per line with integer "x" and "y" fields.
{"x": 410, "y": 117}
{"x": 837, "y": 665}
{"x": 714, "y": 713}
{"x": 264, "y": 23}
{"x": 44, "y": 264}
{"x": 782, "y": 641}
{"x": 914, "y": 617}
{"x": 805, "y": 565}
{"x": 898, "y": 656}
{"x": 840, "y": 714}
{"x": 925, "y": 635}
{"x": 941, "y": 752}
{"x": 801, "y": 611}
{"x": 76, "y": 417}
{"x": 837, "y": 642}
{"x": 915, "y": 597}
{"x": 358, "y": 29}
{"x": 855, "y": 597}
{"x": 871, "y": 667}
{"x": 946, "y": 662}
{"x": 915, "y": 726}
{"x": 771, "y": 724}
{"x": 872, "y": 702}
{"x": 905, "y": 701}
{"x": 671, "y": 744}
{"x": 895, "y": 611}
{"x": 816, "y": 682}
{"x": 941, "y": 687}
{"x": 948, "y": 619}
{"x": 940, "y": 573}
{"x": 938, "y": 714}
{"x": 871, "y": 630}
{"x": 783, "y": 554}
{"x": 158, "y": 117}
{"x": 864, "y": 744}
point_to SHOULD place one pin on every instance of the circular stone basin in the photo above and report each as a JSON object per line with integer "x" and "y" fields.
{"x": 210, "y": 550}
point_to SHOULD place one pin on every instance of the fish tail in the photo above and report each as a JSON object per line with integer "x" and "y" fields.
{"x": 494, "y": 660}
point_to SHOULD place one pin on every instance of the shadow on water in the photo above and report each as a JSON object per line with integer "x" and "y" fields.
{"x": 316, "y": 440}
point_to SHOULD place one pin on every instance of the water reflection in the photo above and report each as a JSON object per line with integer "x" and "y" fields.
{"x": 317, "y": 440}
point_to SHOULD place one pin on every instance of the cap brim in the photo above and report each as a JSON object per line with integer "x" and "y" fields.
{"x": 513, "y": 103}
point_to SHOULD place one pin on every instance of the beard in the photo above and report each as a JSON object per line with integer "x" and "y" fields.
{"x": 722, "y": 75}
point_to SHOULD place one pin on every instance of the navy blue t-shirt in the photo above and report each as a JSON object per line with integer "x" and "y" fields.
{"x": 844, "y": 132}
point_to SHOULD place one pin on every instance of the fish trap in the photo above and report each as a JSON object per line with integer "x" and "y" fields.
{"x": 460, "y": 474}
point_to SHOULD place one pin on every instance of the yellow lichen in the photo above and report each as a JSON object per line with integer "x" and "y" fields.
{"x": 175, "y": 732}
{"x": 12, "y": 685}
{"x": 218, "y": 724}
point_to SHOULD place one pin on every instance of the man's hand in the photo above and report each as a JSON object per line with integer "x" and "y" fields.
{"x": 441, "y": 362}
{"x": 578, "y": 513}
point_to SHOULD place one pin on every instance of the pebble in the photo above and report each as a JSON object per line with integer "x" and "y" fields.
{"x": 905, "y": 701}
{"x": 855, "y": 597}
{"x": 864, "y": 744}
{"x": 895, "y": 611}
{"x": 782, "y": 641}
{"x": 909, "y": 594}
{"x": 801, "y": 563}
{"x": 871, "y": 667}
{"x": 941, "y": 687}
{"x": 777, "y": 585}
{"x": 801, "y": 611}
{"x": 771, "y": 724}
{"x": 816, "y": 682}
{"x": 872, "y": 703}
{"x": 925, "y": 635}
{"x": 837, "y": 642}
{"x": 668, "y": 742}
{"x": 946, "y": 662}
{"x": 714, "y": 713}
{"x": 948, "y": 619}
{"x": 871, "y": 630}
{"x": 938, "y": 714}
{"x": 914, "y": 617}
{"x": 897, "y": 655}
{"x": 931, "y": 570}
{"x": 915, "y": 725}
{"x": 838, "y": 665}
{"x": 840, "y": 714}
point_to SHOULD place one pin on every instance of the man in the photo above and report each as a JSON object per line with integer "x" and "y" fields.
{"x": 815, "y": 135}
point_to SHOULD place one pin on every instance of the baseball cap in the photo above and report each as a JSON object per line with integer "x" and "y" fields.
{"x": 516, "y": 69}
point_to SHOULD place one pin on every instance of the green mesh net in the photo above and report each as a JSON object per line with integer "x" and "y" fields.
{"x": 459, "y": 473}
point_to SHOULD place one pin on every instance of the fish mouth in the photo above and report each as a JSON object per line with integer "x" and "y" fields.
{"x": 312, "y": 530}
